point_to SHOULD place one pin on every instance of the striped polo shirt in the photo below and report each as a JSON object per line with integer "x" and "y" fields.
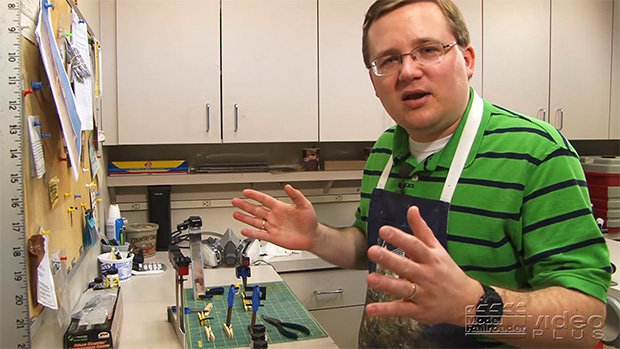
{"x": 520, "y": 217}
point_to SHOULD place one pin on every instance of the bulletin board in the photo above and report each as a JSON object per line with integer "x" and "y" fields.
{"x": 62, "y": 220}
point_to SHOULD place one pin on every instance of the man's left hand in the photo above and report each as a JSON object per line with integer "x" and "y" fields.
{"x": 442, "y": 290}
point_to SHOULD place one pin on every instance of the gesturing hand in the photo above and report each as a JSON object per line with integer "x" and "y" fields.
{"x": 442, "y": 289}
{"x": 292, "y": 226}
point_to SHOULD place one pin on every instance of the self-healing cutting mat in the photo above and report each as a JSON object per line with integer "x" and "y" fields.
{"x": 281, "y": 303}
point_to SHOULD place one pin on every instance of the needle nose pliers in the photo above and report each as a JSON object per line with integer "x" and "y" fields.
{"x": 281, "y": 327}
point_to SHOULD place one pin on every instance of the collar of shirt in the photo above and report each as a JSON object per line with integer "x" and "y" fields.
{"x": 442, "y": 158}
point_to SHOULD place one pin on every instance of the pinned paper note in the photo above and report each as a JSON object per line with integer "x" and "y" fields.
{"x": 36, "y": 145}
{"x": 46, "y": 295}
{"x": 52, "y": 186}
{"x": 83, "y": 84}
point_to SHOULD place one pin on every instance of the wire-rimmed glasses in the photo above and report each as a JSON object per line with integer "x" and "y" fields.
{"x": 427, "y": 54}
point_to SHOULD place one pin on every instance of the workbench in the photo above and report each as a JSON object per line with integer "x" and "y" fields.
{"x": 146, "y": 298}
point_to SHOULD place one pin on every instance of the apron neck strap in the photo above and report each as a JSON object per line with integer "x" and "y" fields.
{"x": 462, "y": 150}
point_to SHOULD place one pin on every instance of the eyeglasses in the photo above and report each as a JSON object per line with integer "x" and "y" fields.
{"x": 427, "y": 54}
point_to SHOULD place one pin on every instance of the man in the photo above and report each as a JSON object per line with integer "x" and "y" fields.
{"x": 474, "y": 220}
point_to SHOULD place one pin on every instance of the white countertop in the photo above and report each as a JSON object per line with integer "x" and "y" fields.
{"x": 146, "y": 298}
{"x": 299, "y": 261}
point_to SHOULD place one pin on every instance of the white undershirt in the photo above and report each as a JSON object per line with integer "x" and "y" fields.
{"x": 422, "y": 150}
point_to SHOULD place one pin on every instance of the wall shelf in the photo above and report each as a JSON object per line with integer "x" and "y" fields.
{"x": 143, "y": 180}
{"x": 228, "y": 178}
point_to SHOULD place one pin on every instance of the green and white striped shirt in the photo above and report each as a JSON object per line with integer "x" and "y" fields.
{"x": 520, "y": 217}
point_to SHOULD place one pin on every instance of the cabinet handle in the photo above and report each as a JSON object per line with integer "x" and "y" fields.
{"x": 236, "y": 117}
{"x": 338, "y": 291}
{"x": 561, "y": 112}
{"x": 544, "y": 113}
{"x": 208, "y": 117}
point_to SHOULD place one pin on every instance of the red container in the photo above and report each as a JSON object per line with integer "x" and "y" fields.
{"x": 603, "y": 177}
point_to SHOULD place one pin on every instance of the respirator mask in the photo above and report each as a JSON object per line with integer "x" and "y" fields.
{"x": 228, "y": 250}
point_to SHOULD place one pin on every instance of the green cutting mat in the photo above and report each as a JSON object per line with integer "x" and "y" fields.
{"x": 281, "y": 303}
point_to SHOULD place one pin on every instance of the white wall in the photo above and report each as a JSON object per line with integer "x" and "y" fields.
{"x": 90, "y": 11}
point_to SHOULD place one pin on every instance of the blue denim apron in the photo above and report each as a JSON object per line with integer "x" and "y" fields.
{"x": 388, "y": 208}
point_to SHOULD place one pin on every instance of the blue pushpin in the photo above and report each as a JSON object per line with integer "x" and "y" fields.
{"x": 37, "y": 86}
{"x": 37, "y": 123}
{"x": 46, "y": 135}
{"x": 48, "y": 5}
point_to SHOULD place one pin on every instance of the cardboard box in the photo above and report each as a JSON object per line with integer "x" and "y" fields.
{"x": 147, "y": 167}
{"x": 97, "y": 336}
{"x": 343, "y": 165}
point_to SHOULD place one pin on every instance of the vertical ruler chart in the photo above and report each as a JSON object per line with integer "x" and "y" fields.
{"x": 14, "y": 315}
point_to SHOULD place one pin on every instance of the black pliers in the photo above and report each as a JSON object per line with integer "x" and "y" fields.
{"x": 281, "y": 327}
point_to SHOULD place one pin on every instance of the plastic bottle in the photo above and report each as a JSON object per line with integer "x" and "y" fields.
{"x": 112, "y": 227}
{"x": 113, "y": 278}
{"x": 99, "y": 283}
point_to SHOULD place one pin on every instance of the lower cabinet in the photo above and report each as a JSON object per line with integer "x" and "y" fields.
{"x": 342, "y": 324}
{"x": 335, "y": 297}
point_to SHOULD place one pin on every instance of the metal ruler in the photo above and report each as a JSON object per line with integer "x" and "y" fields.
{"x": 14, "y": 314}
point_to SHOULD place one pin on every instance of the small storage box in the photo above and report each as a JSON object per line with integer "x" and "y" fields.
{"x": 103, "y": 334}
{"x": 147, "y": 167}
{"x": 603, "y": 177}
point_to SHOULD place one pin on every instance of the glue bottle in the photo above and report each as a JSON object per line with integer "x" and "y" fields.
{"x": 112, "y": 277}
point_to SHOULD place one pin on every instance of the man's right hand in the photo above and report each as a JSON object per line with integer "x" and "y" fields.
{"x": 292, "y": 226}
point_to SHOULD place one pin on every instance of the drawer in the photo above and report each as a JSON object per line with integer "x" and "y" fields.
{"x": 342, "y": 324}
{"x": 328, "y": 288}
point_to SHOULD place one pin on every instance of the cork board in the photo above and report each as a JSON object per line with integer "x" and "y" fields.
{"x": 65, "y": 220}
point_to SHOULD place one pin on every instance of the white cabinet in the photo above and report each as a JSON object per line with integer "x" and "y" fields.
{"x": 516, "y": 55}
{"x": 349, "y": 109}
{"x": 168, "y": 71}
{"x": 269, "y": 71}
{"x": 472, "y": 12}
{"x": 581, "y": 67}
{"x": 335, "y": 298}
{"x": 171, "y": 79}
{"x": 552, "y": 58}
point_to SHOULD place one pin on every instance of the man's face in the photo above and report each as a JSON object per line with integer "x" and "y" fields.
{"x": 426, "y": 100}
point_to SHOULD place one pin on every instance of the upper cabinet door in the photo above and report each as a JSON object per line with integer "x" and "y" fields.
{"x": 472, "y": 12}
{"x": 269, "y": 71}
{"x": 516, "y": 55}
{"x": 168, "y": 69}
{"x": 349, "y": 109}
{"x": 581, "y": 32}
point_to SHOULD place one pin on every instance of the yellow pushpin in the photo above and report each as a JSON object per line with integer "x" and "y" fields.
{"x": 68, "y": 194}
{"x": 70, "y": 210}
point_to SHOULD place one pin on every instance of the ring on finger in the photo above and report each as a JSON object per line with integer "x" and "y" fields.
{"x": 263, "y": 226}
{"x": 413, "y": 291}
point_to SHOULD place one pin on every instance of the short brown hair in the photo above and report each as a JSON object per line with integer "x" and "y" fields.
{"x": 448, "y": 7}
